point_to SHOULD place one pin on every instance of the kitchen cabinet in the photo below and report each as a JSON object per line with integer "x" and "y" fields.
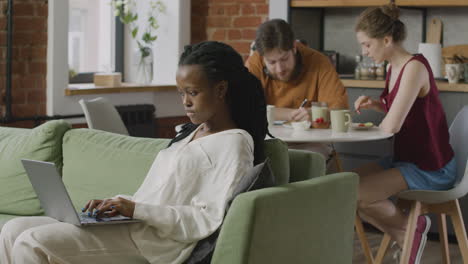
{"x": 367, "y": 3}
{"x": 337, "y": 3}
{"x": 431, "y": 3}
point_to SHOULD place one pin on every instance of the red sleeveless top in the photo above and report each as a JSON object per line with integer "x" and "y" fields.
{"x": 423, "y": 138}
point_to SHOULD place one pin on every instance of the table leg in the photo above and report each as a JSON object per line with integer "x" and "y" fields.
{"x": 337, "y": 161}
{"x": 357, "y": 222}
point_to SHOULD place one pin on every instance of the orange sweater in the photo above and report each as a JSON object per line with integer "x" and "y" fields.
{"x": 317, "y": 81}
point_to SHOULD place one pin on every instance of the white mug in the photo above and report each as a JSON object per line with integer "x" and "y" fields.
{"x": 340, "y": 120}
{"x": 270, "y": 114}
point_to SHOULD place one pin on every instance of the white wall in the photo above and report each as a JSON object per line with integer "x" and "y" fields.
{"x": 173, "y": 35}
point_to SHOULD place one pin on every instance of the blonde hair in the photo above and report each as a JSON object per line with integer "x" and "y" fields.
{"x": 379, "y": 22}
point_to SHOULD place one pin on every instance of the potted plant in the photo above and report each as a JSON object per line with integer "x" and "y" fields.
{"x": 143, "y": 30}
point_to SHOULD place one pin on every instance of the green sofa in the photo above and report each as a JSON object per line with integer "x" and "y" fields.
{"x": 306, "y": 219}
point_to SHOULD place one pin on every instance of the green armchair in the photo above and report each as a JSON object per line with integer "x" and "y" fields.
{"x": 310, "y": 220}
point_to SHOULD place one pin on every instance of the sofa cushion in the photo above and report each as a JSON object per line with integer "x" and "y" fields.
{"x": 277, "y": 151}
{"x": 44, "y": 143}
{"x": 98, "y": 164}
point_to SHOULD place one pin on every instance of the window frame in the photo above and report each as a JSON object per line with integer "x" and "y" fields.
{"x": 87, "y": 77}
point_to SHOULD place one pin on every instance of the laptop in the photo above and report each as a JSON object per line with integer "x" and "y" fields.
{"x": 55, "y": 199}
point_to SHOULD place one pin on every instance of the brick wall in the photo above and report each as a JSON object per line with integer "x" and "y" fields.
{"x": 29, "y": 57}
{"x": 231, "y": 21}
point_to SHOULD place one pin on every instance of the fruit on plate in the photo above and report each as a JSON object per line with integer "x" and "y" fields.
{"x": 368, "y": 124}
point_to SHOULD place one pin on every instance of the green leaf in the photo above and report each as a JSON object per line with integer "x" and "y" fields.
{"x": 134, "y": 32}
{"x": 146, "y": 37}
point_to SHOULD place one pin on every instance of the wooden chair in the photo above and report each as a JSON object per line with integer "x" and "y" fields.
{"x": 441, "y": 203}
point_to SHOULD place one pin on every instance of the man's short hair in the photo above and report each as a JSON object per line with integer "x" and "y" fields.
{"x": 272, "y": 34}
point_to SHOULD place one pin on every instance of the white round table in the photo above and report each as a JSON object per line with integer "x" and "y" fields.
{"x": 290, "y": 135}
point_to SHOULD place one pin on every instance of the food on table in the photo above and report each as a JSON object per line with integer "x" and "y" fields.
{"x": 320, "y": 123}
{"x": 368, "y": 124}
{"x": 319, "y": 120}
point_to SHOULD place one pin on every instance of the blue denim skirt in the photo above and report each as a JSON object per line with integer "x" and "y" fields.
{"x": 417, "y": 179}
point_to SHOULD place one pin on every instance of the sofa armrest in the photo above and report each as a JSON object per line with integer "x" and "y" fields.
{"x": 305, "y": 165}
{"x": 303, "y": 222}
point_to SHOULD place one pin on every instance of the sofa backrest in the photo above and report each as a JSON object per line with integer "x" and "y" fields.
{"x": 99, "y": 164}
{"x": 17, "y": 197}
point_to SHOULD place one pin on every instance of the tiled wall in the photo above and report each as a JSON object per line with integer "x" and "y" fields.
{"x": 339, "y": 29}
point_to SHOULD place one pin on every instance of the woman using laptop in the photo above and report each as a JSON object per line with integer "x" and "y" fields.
{"x": 183, "y": 197}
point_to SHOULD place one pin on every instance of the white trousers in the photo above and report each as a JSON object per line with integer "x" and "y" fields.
{"x": 40, "y": 239}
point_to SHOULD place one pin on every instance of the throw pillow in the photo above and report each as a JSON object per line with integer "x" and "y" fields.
{"x": 260, "y": 176}
{"x": 17, "y": 197}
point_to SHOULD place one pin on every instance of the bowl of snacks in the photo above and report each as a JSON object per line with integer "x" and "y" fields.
{"x": 302, "y": 125}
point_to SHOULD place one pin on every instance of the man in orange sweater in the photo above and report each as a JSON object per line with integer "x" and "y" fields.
{"x": 291, "y": 72}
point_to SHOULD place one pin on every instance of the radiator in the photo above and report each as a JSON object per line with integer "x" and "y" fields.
{"x": 139, "y": 119}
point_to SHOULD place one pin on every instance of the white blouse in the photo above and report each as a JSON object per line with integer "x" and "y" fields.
{"x": 183, "y": 197}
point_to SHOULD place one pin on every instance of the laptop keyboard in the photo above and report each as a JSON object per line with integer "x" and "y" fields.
{"x": 84, "y": 218}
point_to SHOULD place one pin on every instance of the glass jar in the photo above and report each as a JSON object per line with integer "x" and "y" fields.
{"x": 380, "y": 71}
{"x": 320, "y": 110}
{"x": 357, "y": 69}
{"x": 364, "y": 71}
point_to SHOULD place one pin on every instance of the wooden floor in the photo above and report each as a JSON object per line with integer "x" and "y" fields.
{"x": 431, "y": 254}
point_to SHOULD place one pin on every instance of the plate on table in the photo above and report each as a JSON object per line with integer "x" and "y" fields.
{"x": 362, "y": 126}
{"x": 287, "y": 124}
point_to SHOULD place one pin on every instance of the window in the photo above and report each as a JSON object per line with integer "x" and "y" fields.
{"x": 94, "y": 39}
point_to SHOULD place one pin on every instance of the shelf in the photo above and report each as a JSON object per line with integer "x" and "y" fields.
{"x": 337, "y": 3}
{"x": 367, "y": 3}
{"x": 90, "y": 88}
{"x": 442, "y": 85}
{"x": 428, "y": 3}
{"x": 363, "y": 83}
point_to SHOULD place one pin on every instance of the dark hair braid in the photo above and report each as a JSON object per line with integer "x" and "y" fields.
{"x": 244, "y": 97}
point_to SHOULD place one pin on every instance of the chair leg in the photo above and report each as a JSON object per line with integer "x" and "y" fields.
{"x": 442, "y": 222}
{"x": 402, "y": 204}
{"x": 415, "y": 211}
{"x": 362, "y": 237}
{"x": 460, "y": 231}
{"x": 382, "y": 249}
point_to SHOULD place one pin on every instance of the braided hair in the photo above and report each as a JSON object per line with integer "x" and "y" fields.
{"x": 245, "y": 97}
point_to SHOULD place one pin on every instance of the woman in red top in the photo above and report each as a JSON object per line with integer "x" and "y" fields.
{"x": 423, "y": 157}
